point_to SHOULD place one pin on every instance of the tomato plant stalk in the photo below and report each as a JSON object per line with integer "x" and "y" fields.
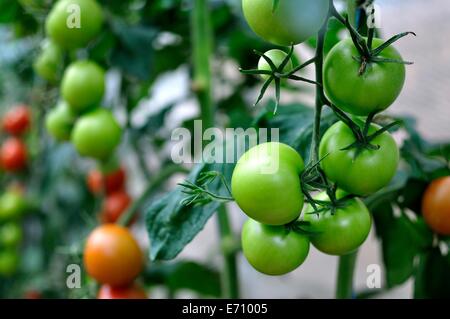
{"x": 202, "y": 41}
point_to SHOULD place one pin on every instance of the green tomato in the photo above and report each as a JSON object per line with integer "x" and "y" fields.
{"x": 266, "y": 183}
{"x": 277, "y": 57}
{"x": 12, "y": 205}
{"x": 273, "y": 250}
{"x": 96, "y": 134}
{"x": 83, "y": 85}
{"x": 60, "y": 121}
{"x": 74, "y": 23}
{"x": 10, "y": 235}
{"x": 375, "y": 90}
{"x": 369, "y": 172}
{"x": 342, "y": 231}
{"x": 9, "y": 261}
{"x": 49, "y": 63}
{"x": 292, "y": 21}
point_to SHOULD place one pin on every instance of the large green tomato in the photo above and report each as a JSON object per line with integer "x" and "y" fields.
{"x": 9, "y": 261}
{"x": 273, "y": 250}
{"x": 73, "y": 23}
{"x": 49, "y": 62}
{"x": 277, "y": 57}
{"x": 266, "y": 183}
{"x": 83, "y": 85}
{"x": 341, "y": 232}
{"x": 10, "y": 235}
{"x": 60, "y": 121}
{"x": 375, "y": 90}
{"x": 370, "y": 171}
{"x": 12, "y": 205}
{"x": 292, "y": 21}
{"x": 96, "y": 134}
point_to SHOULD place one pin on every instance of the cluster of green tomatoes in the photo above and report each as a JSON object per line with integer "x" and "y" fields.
{"x": 357, "y": 158}
{"x": 78, "y": 117}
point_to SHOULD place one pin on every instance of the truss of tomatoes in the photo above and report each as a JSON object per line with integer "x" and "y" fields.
{"x": 357, "y": 158}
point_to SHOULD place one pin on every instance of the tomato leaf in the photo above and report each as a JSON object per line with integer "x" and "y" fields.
{"x": 295, "y": 124}
{"x": 171, "y": 226}
{"x": 432, "y": 279}
{"x": 185, "y": 275}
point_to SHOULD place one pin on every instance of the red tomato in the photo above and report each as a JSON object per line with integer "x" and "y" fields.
{"x": 114, "y": 206}
{"x": 109, "y": 183}
{"x": 17, "y": 120}
{"x": 33, "y": 294}
{"x": 131, "y": 292}
{"x": 13, "y": 155}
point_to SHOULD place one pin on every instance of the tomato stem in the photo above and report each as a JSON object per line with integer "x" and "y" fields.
{"x": 344, "y": 287}
{"x": 202, "y": 39}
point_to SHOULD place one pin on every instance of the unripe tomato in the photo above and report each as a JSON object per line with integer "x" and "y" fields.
{"x": 73, "y": 23}
{"x": 292, "y": 21}
{"x": 436, "y": 206}
{"x": 96, "y": 134}
{"x": 9, "y": 261}
{"x": 83, "y": 85}
{"x": 273, "y": 250}
{"x": 112, "y": 256}
{"x": 369, "y": 171}
{"x": 342, "y": 231}
{"x": 60, "y": 121}
{"x": 277, "y": 57}
{"x": 361, "y": 94}
{"x": 13, "y": 155}
{"x": 17, "y": 120}
{"x": 12, "y": 205}
{"x": 108, "y": 183}
{"x": 114, "y": 206}
{"x": 130, "y": 292}
{"x": 266, "y": 183}
{"x": 49, "y": 63}
{"x": 10, "y": 234}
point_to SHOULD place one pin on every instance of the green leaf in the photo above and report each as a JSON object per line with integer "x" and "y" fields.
{"x": 171, "y": 226}
{"x": 133, "y": 51}
{"x": 402, "y": 241}
{"x": 295, "y": 124}
{"x": 185, "y": 275}
{"x": 8, "y": 10}
{"x": 432, "y": 279}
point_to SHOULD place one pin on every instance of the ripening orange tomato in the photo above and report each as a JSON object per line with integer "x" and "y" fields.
{"x": 436, "y": 205}
{"x": 112, "y": 256}
{"x": 114, "y": 206}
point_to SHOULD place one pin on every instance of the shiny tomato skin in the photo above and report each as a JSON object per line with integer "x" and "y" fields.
{"x": 85, "y": 18}
{"x": 13, "y": 155}
{"x": 370, "y": 171}
{"x": 112, "y": 256}
{"x": 375, "y": 90}
{"x": 436, "y": 206}
{"x": 292, "y": 21}
{"x": 130, "y": 292}
{"x": 17, "y": 120}
{"x": 96, "y": 134}
{"x": 277, "y": 57}
{"x": 273, "y": 250}
{"x": 83, "y": 85}
{"x": 59, "y": 122}
{"x": 342, "y": 231}
{"x": 266, "y": 183}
